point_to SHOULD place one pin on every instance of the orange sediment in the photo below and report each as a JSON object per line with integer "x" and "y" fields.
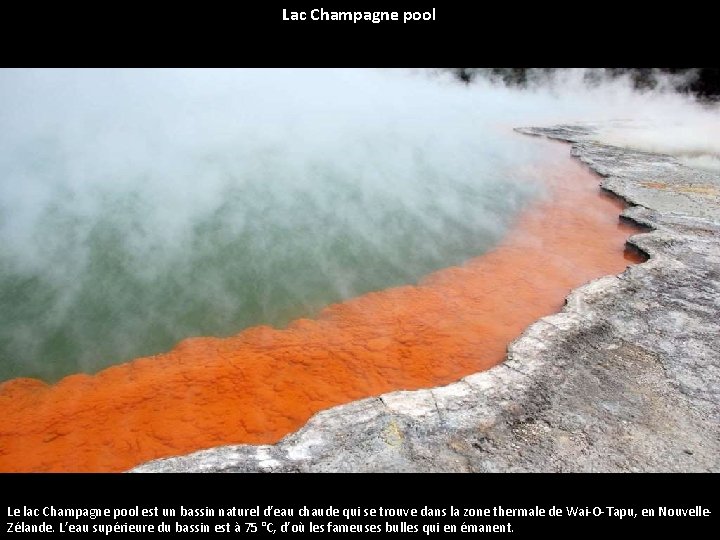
{"x": 263, "y": 383}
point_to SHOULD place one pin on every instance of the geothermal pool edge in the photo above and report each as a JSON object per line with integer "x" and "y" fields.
{"x": 625, "y": 378}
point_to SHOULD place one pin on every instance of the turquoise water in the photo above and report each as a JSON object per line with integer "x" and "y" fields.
{"x": 122, "y": 234}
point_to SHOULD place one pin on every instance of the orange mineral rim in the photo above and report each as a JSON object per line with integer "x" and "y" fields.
{"x": 263, "y": 383}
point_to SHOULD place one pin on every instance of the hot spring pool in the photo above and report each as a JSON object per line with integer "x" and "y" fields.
{"x": 265, "y": 244}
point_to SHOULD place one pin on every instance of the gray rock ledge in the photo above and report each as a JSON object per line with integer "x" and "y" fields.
{"x": 625, "y": 378}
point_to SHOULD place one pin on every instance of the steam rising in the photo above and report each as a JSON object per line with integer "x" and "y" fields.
{"x": 140, "y": 207}
{"x": 696, "y": 143}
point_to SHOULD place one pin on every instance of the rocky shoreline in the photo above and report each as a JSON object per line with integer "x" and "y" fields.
{"x": 625, "y": 378}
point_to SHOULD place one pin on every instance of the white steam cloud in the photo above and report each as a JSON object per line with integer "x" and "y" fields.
{"x": 138, "y": 207}
{"x": 695, "y": 139}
